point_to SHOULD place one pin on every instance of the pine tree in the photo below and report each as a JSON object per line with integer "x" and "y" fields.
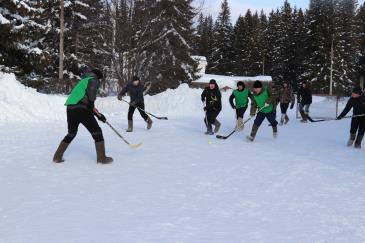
{"x": 163, "y": 51}
{"x": 344, "y": 42}
{"x": 272, "y": 42}
{"x": 21, "y": 47}
{"x": 299, "y": 41}
{"x": 222, "y": 52}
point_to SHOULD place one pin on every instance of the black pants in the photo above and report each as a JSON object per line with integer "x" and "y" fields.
{"x": 358, "y": 125}
{"x": 240, "y": 112}
{"x": 271, "y": 117}
{"x": 86, "y": 118}
{"x": 140, "y": 107}
{"x": 211, "y": 116}
{"x": 284, "y": 107}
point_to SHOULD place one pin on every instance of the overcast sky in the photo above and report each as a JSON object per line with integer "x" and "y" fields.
{"x": 240, "y": 6}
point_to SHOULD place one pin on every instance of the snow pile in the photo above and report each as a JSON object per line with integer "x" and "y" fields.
{"x": 20, "y": 103}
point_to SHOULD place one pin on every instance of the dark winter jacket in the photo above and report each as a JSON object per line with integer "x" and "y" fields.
{"x": 357, "y": 104}
{"x": 135, "y": 92}
{"x": 92, "y": 89}
{"x": 212, "y": 98}
{"x": 305, "y": 96}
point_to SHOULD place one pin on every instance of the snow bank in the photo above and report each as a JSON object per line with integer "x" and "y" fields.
{"x": 21, "y": 103}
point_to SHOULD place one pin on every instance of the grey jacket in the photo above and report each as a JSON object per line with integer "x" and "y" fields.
{"x": 92, "y": 89}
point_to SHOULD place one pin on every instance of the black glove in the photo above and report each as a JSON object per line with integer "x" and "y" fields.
{"x": 205, "y": 108}
{"x": 101, "y": 117}
{"x": 234, "y": 107}
{"x": 291, "y": 106}
{"x": 339, "y": 118}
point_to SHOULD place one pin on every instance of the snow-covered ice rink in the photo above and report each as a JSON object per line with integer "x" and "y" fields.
{"x": 180, "y": 186}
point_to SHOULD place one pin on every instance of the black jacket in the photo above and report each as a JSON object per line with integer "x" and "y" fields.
{"x": 305, "y": 96}
{"x": 357, "y": 104}
{"x": 135, "y": 92}
{"x": 212, "y": 98}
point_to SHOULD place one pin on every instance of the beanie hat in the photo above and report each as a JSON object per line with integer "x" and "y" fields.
{"x": 257, "y": 84}
{"x": 357, "y": 90}
{"x": 135, "y": 78}
{"x": 240, "y": 83}
{"x": 212, "y": 81}
{"x": 98, "y": 73}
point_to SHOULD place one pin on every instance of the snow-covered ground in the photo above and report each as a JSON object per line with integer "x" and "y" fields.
{"x": 180, "y": 186}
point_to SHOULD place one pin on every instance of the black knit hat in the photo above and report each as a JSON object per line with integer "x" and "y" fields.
{"x": 98, "y": 73}
{"x": 257, "y": 84}
{"x": 357, "y": 90}
{"x": 212, "y": 81}
{"x": 135, "y": 78}
{"x": 240, "y": 83}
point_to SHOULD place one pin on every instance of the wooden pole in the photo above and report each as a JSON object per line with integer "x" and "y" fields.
{"x": 62, "y": 29}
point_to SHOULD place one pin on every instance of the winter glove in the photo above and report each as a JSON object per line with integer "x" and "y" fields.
{"x": 339, "y": 118}
{"x": 291, "y": 106}
{"x": 234, "y": 107}
{"x": 101, "y": 117}
{"x": 266, "y": 105}
{"x": 132, "y": 103}
{"x": 205, "y": 108}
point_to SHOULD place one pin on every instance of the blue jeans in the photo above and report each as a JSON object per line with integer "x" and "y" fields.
{"x": 271, "y": 117}
{"x": 304, "y": 108}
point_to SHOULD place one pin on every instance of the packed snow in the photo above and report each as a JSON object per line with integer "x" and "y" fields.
{"x": 180, "y": 186}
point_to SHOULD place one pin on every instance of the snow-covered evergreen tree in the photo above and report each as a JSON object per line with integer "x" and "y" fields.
{"x": 162, "y": 49}
{"x": 222, "y": 53}
{"x": 21, "y": 49}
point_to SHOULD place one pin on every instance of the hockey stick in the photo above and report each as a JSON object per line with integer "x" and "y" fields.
{"x": 133, "y": 146}
{"x": 235, "y": 130}
{"x": 157, "y": 117}
{"x": 334, "y": 119}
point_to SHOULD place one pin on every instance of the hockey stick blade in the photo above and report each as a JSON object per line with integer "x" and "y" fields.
{"x": 135, "y": 146}
{"x": 221, "y": 137}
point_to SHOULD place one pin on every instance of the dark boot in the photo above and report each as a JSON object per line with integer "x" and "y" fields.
{"x": 304, "y": 117}
{"x": 100, "y": 153}
{"x": 58, "y": 156}
{"x": 217, "y": 126}
{"x": 254, "y": 130}
{"x": 209, "y": 129}
{"x": 275, "y": 131}
{"x": 130, "y": 126}
{"x": 149, "y": 123}
{"x": 351, "y": 140}
{"x": 358, "y": 141}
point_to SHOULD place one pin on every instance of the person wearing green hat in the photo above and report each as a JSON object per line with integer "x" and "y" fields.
{"x": 239, "y": 101}
{"x": 357, "y": 104}
{"x": 265, "y": 102}
{"x": 212, "y": 98}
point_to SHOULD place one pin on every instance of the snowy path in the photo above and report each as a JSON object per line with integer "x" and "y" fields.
{"x": 305, "y": 186}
